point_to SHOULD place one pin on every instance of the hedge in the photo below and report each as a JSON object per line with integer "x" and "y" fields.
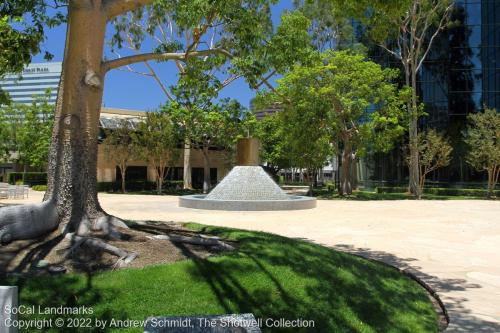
{"x": 41, "y": 188}
{"x": 28, "y": 178}
{"x": 441, "y": 191}
{"x": 137, "y": 185}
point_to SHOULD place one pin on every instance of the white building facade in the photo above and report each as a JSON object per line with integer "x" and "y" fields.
{"x": 35, "y": 79}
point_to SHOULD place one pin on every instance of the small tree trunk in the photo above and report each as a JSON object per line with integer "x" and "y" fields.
{"x": 206, "y": 170}
{"x": 492, "y": 177}
{"x": 413, "y": 136}
{"x": 496, "y": 176}
{"x": 310, "y": 179}
{"x": 123, "y": 171}
{"x": 187, "y": 165}
{"x": 161, "y": 177}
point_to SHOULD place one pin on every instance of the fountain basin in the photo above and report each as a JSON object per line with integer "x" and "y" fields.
{"x": 293, "y": 202}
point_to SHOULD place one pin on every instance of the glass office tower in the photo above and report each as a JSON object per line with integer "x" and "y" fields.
{"x": 462, "y": 74}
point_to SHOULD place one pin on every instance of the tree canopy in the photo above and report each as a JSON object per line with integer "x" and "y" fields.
{"x": 347, "y": 98}
{"x": 25, "y": 132}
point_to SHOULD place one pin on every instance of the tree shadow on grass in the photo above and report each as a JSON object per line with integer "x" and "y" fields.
{"x": 48, "y": 293}
{"x": 296, "y": 279}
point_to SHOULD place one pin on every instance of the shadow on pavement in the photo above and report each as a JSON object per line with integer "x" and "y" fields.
{"x": 461, "y": 318}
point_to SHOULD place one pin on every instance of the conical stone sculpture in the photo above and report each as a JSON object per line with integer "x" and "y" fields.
{"x": 247, "y": 187}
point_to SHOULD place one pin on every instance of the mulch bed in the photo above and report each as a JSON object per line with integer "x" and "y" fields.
{"x": 47, "y": 255}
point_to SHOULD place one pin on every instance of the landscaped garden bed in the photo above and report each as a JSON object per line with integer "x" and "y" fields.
{"x": 267, "y": 275}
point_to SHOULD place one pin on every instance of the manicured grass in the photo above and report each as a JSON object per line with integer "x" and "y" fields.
{"x": 269, "y": 276}
{"x": 367, "y": 195}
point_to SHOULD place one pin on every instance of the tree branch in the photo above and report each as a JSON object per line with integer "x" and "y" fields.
{"x": 441, "y": 25}
{"x": 118, "y": 7}
{"x": 157, "y": 79}
{"x": 111, "y": 64}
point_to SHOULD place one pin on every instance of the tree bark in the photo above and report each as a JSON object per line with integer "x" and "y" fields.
{"x": 413, "y": 138}
{"x": 493, "y": 175}
{"x": 187, "y": 165}
{"x": 206, "y": 170}
{"x": 71, "y": 199}
{"x": 123, "y": 171}
{"x": 345, "y": 176}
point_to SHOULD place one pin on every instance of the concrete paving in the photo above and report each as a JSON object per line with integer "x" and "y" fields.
{"x": 454, "y": 246}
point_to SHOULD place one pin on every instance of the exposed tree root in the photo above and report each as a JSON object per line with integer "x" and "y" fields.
{"x": 27, "y": 221}
{"x": 91, "y": 234}
{"x": 125, "y": 257}
{"x": 197, "y": 240}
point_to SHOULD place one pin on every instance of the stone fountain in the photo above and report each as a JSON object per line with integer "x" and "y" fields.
{"x": 247, "y": 187}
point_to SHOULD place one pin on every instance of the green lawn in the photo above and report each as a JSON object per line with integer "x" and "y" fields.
{"x": 269, "y": 276}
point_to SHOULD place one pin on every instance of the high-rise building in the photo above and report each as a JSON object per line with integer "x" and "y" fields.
{"x": 462, "y": 73}
{"x": 35, "y": 79}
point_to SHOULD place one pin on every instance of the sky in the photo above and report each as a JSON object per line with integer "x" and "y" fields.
{"x": 127, "y": 90}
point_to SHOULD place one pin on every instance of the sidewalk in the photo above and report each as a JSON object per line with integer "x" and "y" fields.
{"x": 453, "y": 246}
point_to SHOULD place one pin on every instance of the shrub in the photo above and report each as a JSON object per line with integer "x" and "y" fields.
{"x": 174, "y": 184}
{"x": 330, "y": 186}
{"x": 28, "y": 178}
{"x": 136, "y": 185}
{"x": 41, "y": 188}
{"x": 441, "y": 191}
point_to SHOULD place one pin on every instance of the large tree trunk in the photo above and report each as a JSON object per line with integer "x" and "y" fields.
{"x": 206, "y": 170}
{"x": 71, "y": 199}
{"x": 187, "y": 165}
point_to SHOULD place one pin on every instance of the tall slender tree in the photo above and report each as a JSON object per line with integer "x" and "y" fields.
{"x": 407, "y": 30}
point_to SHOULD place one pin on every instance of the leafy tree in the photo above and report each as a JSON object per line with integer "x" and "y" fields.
{"x": 407, "y": 30}
{"x": 248, "y": 43}
{"x": 434, "y": 152}
{"x": 483, "y": 139}
{"x": 349, "y": 98}
{"x": 330, "y": 27}
{"x": 157, "y": 139}
{"x": 309, "y": 145}
{"x": 274, "y": 150}
{"x": 215, "y": 126}
{"x": 120, "y": 146}
{"x": 11, "y": 127}
{"x": 26, "y": 131}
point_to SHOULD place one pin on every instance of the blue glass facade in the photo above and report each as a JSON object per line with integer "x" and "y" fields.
{"x": 462, "y": 74}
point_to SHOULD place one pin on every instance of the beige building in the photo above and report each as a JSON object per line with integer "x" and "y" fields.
{"x": 140, "y": 170}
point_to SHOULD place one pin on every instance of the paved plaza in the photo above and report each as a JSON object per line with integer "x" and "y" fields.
{"x": 454, "y": 246}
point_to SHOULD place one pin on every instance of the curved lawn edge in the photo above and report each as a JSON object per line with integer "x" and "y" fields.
{"x": 268, "y": 275}
{"x": 444, "y": 318}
